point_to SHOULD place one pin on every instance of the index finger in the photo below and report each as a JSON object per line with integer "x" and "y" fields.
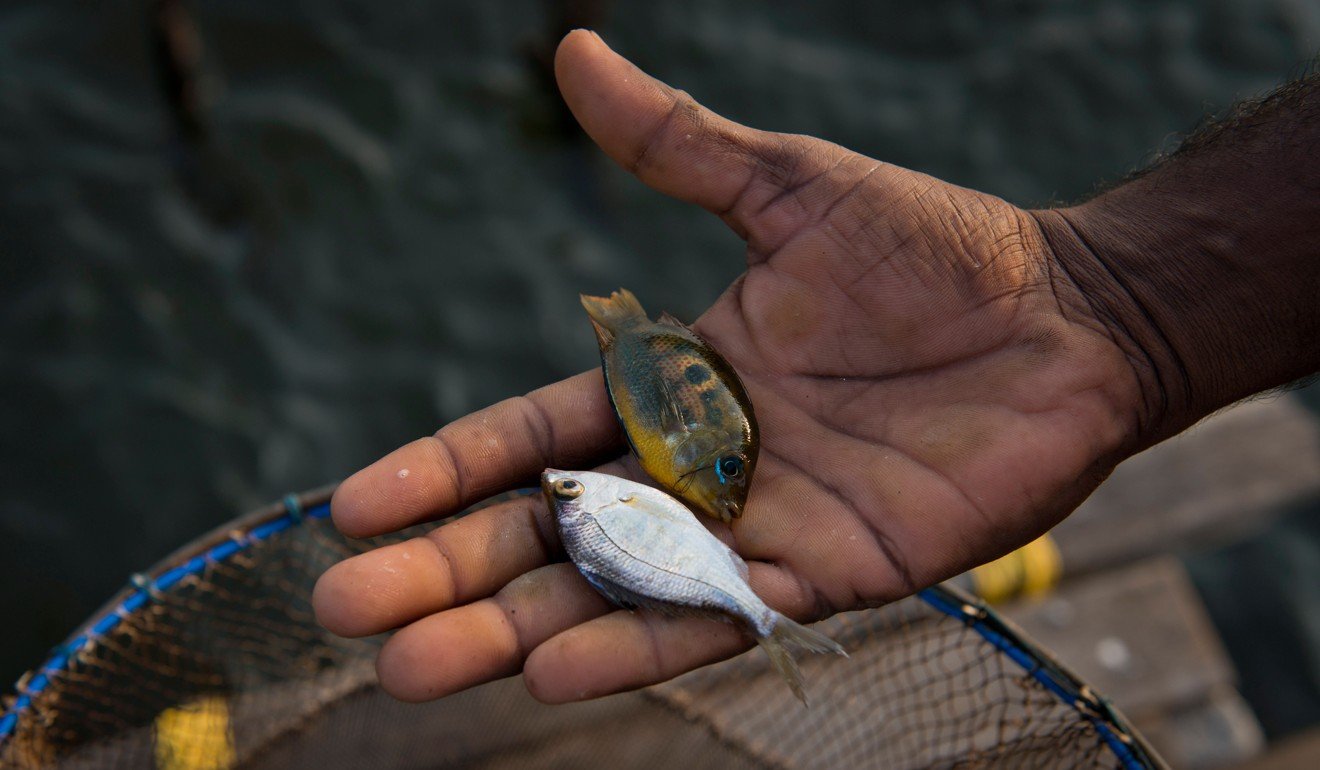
{"x": 568, "y": 424}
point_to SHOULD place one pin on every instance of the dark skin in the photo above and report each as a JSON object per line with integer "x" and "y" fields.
{"x": 961, "y": 372}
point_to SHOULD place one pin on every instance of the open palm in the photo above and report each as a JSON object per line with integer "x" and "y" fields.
{"x": 932, "y": 391}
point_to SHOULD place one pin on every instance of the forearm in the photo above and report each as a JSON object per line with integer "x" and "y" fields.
{"x": 1206, "y": 269}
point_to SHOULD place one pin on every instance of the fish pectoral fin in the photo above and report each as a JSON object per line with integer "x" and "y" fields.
{"x": 671, "y": 412}
{"x": 668, "y": 320}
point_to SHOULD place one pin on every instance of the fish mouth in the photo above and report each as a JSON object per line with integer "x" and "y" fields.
{"x": 728, "y": 510}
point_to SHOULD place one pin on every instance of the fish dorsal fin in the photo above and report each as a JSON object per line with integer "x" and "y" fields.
{"x": 668, "y": 320}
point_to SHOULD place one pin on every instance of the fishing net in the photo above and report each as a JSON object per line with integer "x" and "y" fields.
{"x": 214, "y": 661}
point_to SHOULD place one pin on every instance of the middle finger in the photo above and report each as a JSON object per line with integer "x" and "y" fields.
{"x": 486, "y": 640}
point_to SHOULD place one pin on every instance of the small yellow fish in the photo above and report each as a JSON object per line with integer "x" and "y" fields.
{"x": 683, "y": 408}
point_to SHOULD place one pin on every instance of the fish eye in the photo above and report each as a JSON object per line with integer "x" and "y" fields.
{"x": 729, "y": 467}
{"x": 566, "y": 489}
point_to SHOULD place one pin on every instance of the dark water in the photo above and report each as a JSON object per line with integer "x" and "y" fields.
{"x": 375, "y": 217}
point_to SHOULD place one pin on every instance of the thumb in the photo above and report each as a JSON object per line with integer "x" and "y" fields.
{"x": 672, "y": 143}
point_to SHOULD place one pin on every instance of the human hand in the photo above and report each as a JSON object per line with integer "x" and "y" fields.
{"x": 932, "y": 391}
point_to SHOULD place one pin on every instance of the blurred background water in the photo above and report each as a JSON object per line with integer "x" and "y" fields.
{"x": 250, "y": 263}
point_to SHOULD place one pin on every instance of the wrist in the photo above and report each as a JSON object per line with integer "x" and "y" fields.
{"x": 1213, "y": 294}
{"x": 1206, "y": 269}
{"x": 1095, "y": 281}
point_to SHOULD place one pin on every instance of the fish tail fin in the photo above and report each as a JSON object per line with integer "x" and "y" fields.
{"x": 611, "y": 313}
{"x": 790, "y": 634}
{"x": 804, "y": 638}
{"x": 784, "y": 663}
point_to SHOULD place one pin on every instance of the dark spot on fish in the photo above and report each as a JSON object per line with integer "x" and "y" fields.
{"x": 708, "y": 397}
{"x": 696, "y": 374}
{"x": 714, "y": 414}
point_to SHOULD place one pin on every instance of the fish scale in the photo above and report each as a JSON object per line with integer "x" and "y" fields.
{"x": 681, "y": 579}
{"x": 682, "y": 407}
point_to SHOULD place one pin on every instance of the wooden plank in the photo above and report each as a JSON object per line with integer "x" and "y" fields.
{"x": 1141, "y": 637}
{"x": 1293, "y": 753}
{"x": 1216, "y": 733}
{"x": 1139, "y": 634}
{"x": 1212, "y": 484}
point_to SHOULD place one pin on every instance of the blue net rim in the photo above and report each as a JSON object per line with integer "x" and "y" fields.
{"x": 221, "y": 544}
{"x": 215, "y": 547}
{"x": 1131, "y": 751}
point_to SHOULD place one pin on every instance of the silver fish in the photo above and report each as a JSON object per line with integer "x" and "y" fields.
{"x": 642, "y": 548}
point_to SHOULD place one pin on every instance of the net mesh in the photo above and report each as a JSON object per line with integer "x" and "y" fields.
{"x": 215, "y": 661}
